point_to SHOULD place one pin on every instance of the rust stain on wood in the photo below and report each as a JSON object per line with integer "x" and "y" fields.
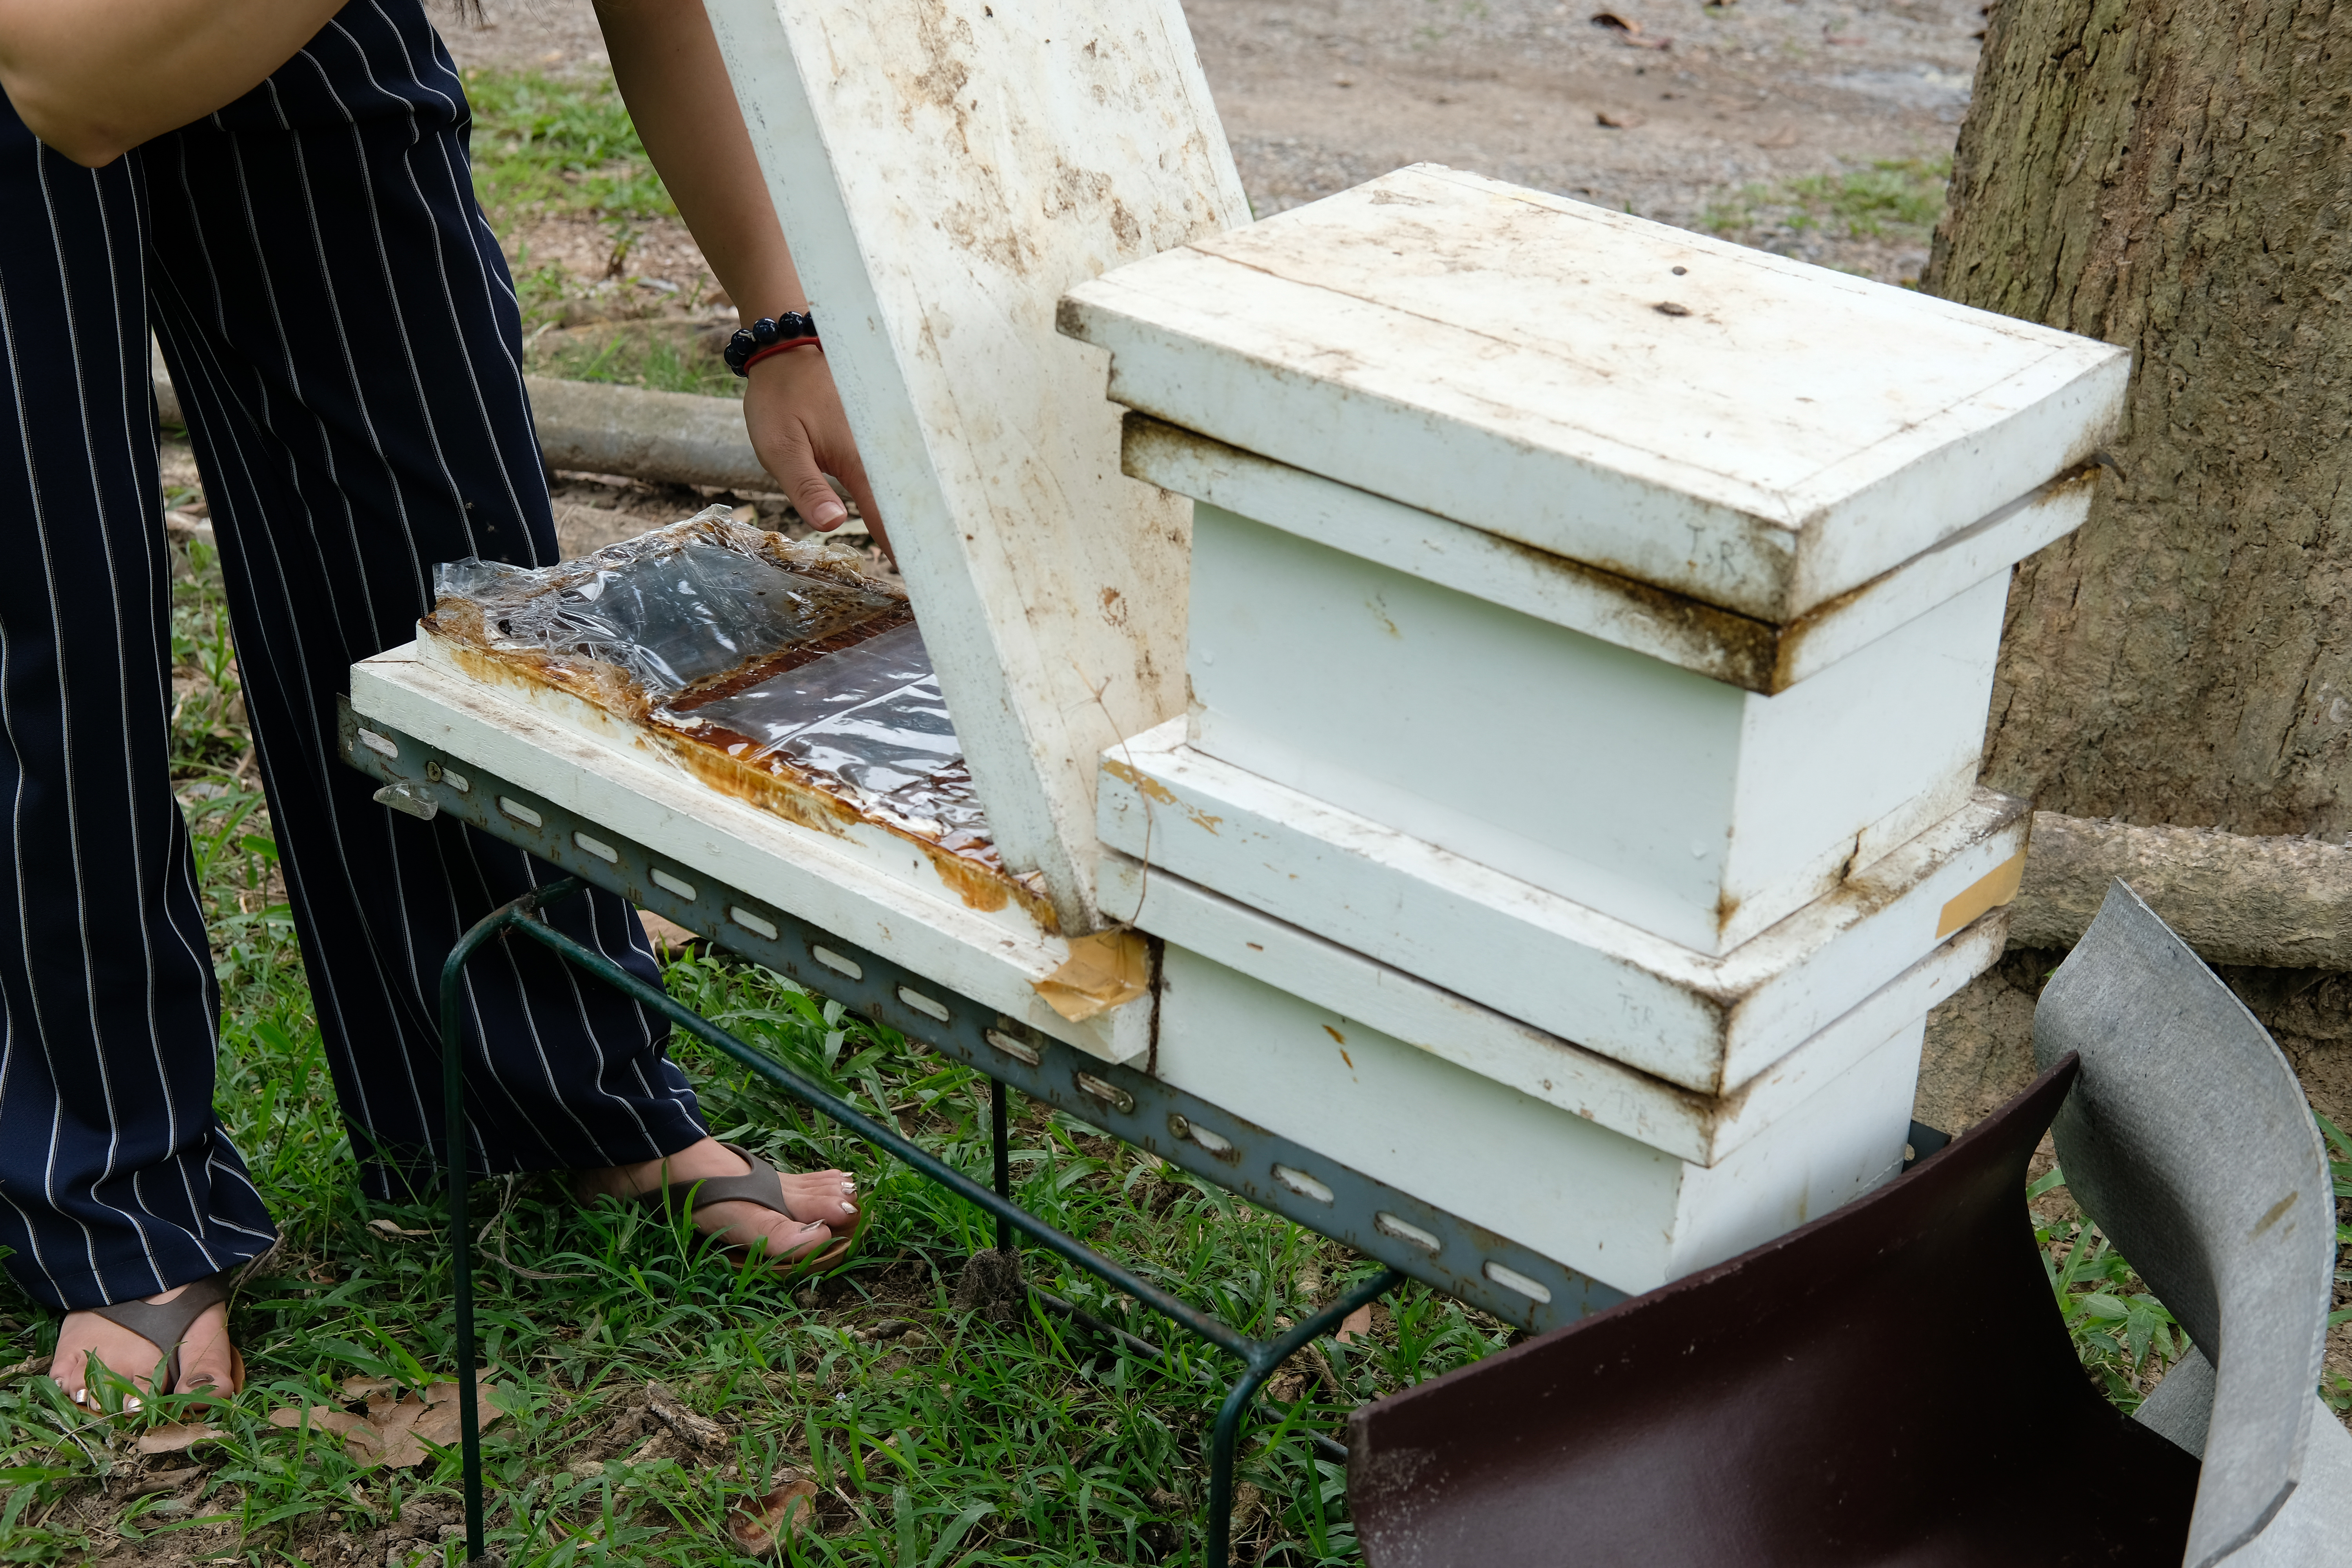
{"x": 1152, "y": 789}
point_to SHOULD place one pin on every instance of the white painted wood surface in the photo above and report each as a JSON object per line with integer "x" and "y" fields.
{"x": 1758, "y": 656}
{"x": 945, "y": 169}
{"x": 1698, "y": 1128}
{"x": 1707, "y": 1022}
{"x": 708, "y": 835}
{"x": 1590, "y": 1198}
{"x": 1775, "y": 437}
{"x": 1694, "y": 810}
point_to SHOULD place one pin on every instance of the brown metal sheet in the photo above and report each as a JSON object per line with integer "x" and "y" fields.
{"x": 1890, "y": 1384}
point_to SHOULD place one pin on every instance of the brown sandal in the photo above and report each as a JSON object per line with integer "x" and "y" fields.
{"x": 761, "y": 1185}
{"x": 164, "y": 1325}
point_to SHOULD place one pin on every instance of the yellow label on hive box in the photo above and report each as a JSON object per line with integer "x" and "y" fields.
{"x": 1992, "y": 890}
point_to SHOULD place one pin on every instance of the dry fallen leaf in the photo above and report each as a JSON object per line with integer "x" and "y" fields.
{"x": 359, "y": 1437}
{"x": 1620, "y": 119}
{"x": 394, "y": 1430}
{"x": 1356, "y": 1325}
{"x": 759, "y": 1526}
{"x": 389, "y": 1228}
{"x": 177, "y": 1437}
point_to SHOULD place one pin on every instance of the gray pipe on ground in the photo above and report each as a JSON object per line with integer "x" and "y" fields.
{"x": 665, "y": 437}
{"x": 2282, "y": 903}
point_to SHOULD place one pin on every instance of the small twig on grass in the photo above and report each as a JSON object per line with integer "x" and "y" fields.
{"x": 1324, "y": 1373}
{"x": 508, "y": 1186}
{"x": 860, "y": 1512}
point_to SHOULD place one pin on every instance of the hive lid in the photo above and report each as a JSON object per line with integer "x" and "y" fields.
{"x": 1739, "y": 428}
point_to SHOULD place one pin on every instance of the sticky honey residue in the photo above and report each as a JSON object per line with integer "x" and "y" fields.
{"x": 776, "y": 672}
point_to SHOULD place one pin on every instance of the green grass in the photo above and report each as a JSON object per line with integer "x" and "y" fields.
{"x": 563, "y": 148}
{"x": 1888, "y": 198}
{"x": 2335, "y": 1387}
{"x": 636, "y": 354}
{"x": 966, "y": 1442}
{"x": 2126, "y": 1337}
{"x": 544, "y": 143}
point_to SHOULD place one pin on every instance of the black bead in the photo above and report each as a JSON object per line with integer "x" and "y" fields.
{"x": 765, "y": 331}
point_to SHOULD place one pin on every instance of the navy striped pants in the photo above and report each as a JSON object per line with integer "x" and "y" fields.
{"x": 344, "y": 337}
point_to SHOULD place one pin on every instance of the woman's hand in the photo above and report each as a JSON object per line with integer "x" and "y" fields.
{"x": 801, "y": 434}
{"x": 670, "y": 72}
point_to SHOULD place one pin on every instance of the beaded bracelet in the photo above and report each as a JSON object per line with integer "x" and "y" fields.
{"x": 768, "y": 335}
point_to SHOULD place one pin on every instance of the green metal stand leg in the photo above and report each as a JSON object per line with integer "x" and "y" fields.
{"x": 1004, "y": 1162}
{"x": 453, "y": 1134}
{"x": 1264, "y": 1357}
{"x": 1260, "y": 1357}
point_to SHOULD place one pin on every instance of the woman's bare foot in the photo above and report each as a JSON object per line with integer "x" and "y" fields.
{"x": 205, "y": 1354}
{"x": 822, "y": 1202}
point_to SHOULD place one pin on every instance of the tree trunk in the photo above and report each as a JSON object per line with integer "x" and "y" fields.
{"x": 2176, "y": 176}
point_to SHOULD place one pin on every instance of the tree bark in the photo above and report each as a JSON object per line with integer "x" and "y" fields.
{"x": 2176, "y": 176}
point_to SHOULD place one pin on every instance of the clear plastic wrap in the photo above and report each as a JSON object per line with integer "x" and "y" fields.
{"x": 676, "y": 607}
{"x": 783, "y": 656}
{"x": 870, "y": 716}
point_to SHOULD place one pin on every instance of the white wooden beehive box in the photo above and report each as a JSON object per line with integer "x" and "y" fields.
{"x": 1662, "y": 575}
{"x": 1609, "y": 1170}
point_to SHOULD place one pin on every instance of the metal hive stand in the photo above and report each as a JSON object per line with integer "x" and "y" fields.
{"x": 1412, "y": 1237}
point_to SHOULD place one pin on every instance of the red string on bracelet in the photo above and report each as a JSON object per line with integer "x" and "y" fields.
{"x": 779, "y": 348}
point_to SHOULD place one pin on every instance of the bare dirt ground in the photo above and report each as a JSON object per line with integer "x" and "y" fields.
{"x": 1319, "y": 95}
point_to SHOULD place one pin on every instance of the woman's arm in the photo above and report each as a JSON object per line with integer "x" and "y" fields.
{"x": 671, "y": 74}
{"x": 93, "y": 79}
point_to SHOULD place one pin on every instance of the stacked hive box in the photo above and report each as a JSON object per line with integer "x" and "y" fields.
{"x": 1591, "y": 632}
